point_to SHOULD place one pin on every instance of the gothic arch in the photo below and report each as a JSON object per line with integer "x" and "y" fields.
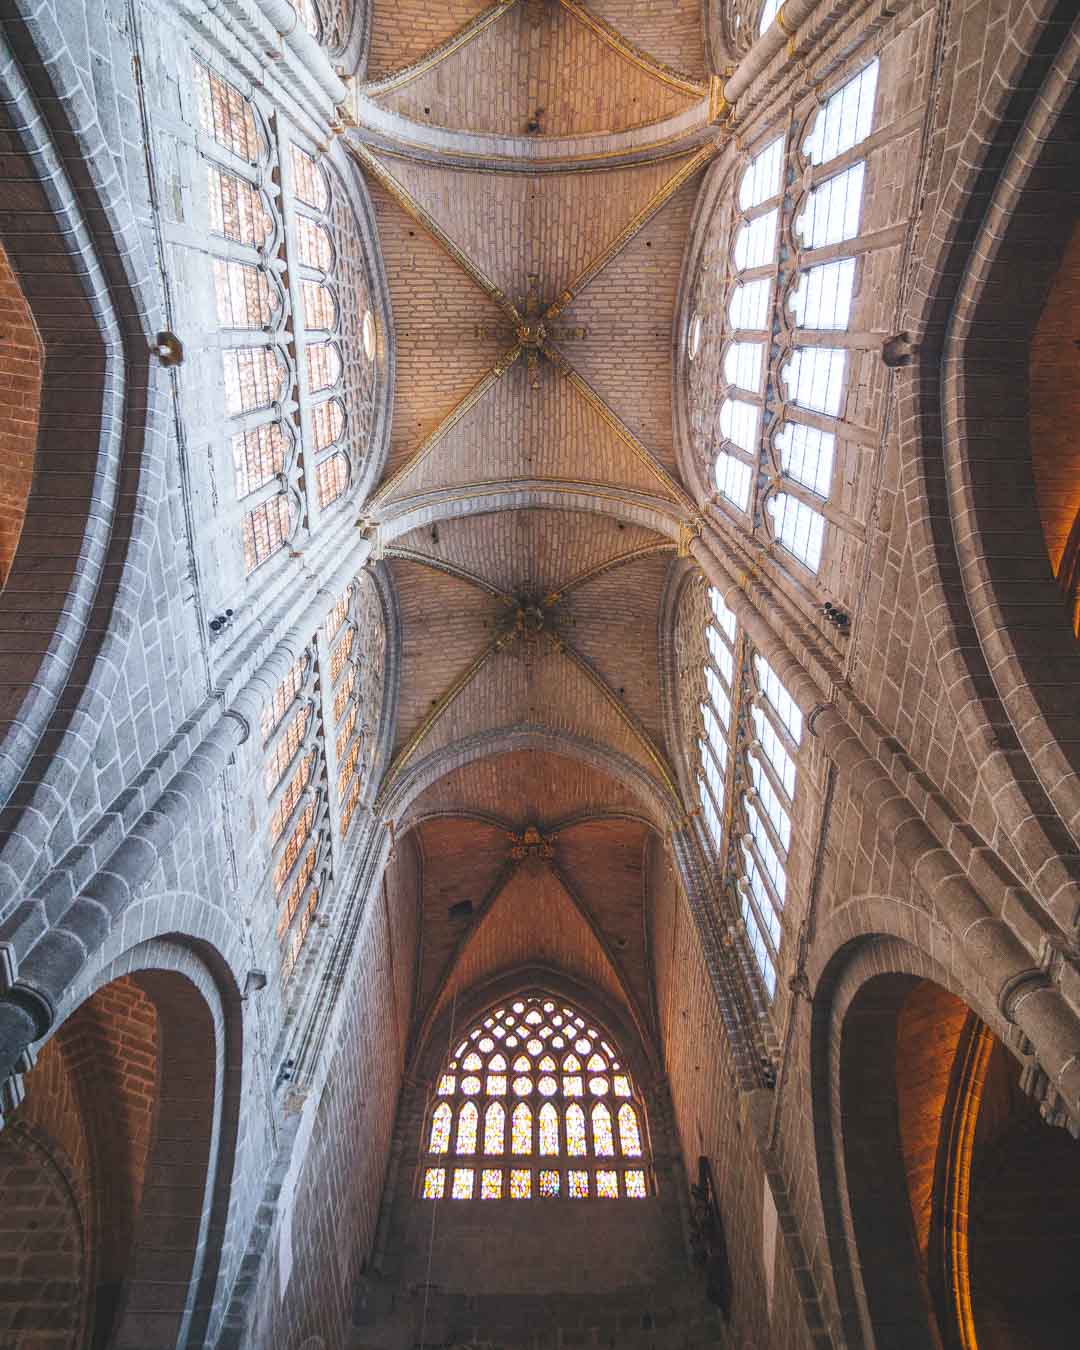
{"x": 971, "y": 672}
{"x": 97, "y": 391}
{"x": 859, "y": 989}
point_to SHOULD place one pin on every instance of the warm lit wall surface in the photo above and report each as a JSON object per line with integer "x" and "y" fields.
{"x": 20, "y": 398}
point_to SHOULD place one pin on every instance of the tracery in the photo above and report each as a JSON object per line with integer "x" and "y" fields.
{"x": 569, "y": 1134}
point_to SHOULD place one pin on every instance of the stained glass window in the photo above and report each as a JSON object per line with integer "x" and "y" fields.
{"x": 470, "y": 1113}
{"x": 521, "y": 1129}
{"x": 629, "y": 1135}
{"x": 434, "y": 1183}
{"x": 548, "y": 1182}
{"x": 466, "y": 1129}
{"x": 577, "y": 1184}
{"x": 607, "y": 1184}
{"x": 495, "y": 1129}
{"x": 549, "y": 1130}
{"x": 575, "y": 1131}
{"x": 603, "y": 1140}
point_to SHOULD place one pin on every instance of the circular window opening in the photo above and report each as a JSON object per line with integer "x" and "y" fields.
{"x": 369, "y": 335}
{"x": 693, "y": 343}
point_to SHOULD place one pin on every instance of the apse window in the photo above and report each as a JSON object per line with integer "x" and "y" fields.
{"x": 574, "y": 1126}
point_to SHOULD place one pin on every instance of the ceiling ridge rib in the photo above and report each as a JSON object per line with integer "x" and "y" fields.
{"x": 438, "y": 54}
{"x": 591, "y": 673}
{"x": 451, "y": 569}
{"x": 608, "y": 565}
{"x": 631, "y": 52}
{"x": 452, "y": 418}
{"x": 423, "y": 217}
{"x": 444, "y": 702}
{"x": 659, "y": 199}
{"x": 601, "y": 941}
{"x": 507, "y": 873}
{"x": 607, "y": 414}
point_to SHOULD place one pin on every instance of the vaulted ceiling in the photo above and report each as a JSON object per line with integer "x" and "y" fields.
{"x": 534, "y": 166}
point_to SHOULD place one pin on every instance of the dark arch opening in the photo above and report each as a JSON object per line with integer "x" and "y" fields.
{"x": 964, "y": 1205}
{"x": 121, "y": 1107}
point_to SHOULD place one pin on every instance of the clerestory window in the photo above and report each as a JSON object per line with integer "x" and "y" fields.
{"x": 534, "y": 1102}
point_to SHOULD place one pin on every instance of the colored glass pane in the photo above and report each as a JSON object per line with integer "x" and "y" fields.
{"x": 521, "y": 1129}
{"x": 629, "y": 1134}
{"x": 547, "y": 1065}
{"x": 548, "y": 1086}
{"x": 440, "y": 1130}
{"x": 472, "y": 1063}
{"x": 491, "y": 1180}
{"x": 575, "y": 1131}
{"x": 486, "y": 1045}
{"x": 522, "y": 1064}
{"x": 495, "y": 1129}
{"x": 603, "y": 1139}
{"x": 582, "y": 1046}
{"x": 607, "y": 1184}
{"x": 548, "y": 1183}
{"x": 558, "y": 1042}
{"x": 447, "y": 1083}
{"x": 622, "y": 1085}
{"x": 522, "y": 1086}
{"x": 463, "y": 1183}
{"x": 549, "y": 1130}
{"x": 466, "y": 1128}
{"x": 634, "y": 1184}
{"x": 577, "y": 1184}
{"x": 434, "y": 1183}
{"x": 470, "y": 1086}
{"x": 520, "y": 1183}
{"x": 596, "y": 1064}
{"x": 572, "y": 1086}
{"x": 533, "y": 1017}
{"x": 497, "y": 1064}
{"x": 534, "y": 1046}
{"x": 571, "y": 1064}
{"x": 496, "y": 1085}
{"x": 598, "y": 1086}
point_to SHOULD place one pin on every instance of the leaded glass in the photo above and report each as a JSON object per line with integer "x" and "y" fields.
{"x": 491, "y": 1179}
{"x": 521, "y": 1129}
{"x": 522, "y": 1087}
{"x": 575, "y": 1131}
{"x": 547, "y": 1086}
{"x": 634, "y": 1184}
{"x": 468, "y": 1119}
{"x": 522, "y": 1064}
{"x": 470, "y": 1086}
{"x": 472, "y": 1063}
{"x": 571, "y": 1064}
{"x": 607, "y": 1184}
{"x": 603, "y": 1139}
{"x": 549, "y": 1130}
{"x": 534, "y": 1046}
{"x": 572, "y": 1087}
{"x": 486, "y": 1045}
{"x": 598, "y": 1086}
{"x": 495, "y": 1129}
{"x": 547, "y": 1065}
{"x": 496, "y": 1085}
{"x": 621, "y": 1085}
{"x": 577, "y": 1184}
{"x": 520, "y": 1183}
{"x": 548, "y": 1183}
{"x": 434, "y": 1183}
{"x": 629, "y": 1135}
{"x": 440, "y": 1129}
{"x": 596, "y": 1064}
{"x": 463, "y": 1183}
{"x": 497, "y": 1064}
{"x": 447, "y": 1084}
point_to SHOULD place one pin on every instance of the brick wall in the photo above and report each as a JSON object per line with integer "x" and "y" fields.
{"x": 20, "y": 388}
